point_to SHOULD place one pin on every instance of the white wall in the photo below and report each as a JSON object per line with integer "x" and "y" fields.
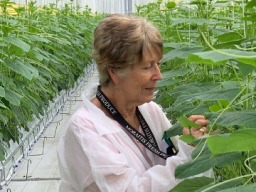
{"x": 107, "y": 6}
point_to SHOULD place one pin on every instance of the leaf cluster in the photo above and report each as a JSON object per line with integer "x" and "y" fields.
{"x": 42, "y": 52}
{"x": 209, "y": 69}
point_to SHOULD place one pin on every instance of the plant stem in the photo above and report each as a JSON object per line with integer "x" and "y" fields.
{"x": 237, "y": 78}
{"x": 178, "y": 34}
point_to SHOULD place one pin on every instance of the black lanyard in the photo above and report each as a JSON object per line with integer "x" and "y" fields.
{"x": 148, "y": 140}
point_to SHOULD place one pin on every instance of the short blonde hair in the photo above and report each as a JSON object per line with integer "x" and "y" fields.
{"x": 121, "y": 40}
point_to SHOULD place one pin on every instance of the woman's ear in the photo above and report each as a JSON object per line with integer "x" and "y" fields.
{"x": 113, "y": 74}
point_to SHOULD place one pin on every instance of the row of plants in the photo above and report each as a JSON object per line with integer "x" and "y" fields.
{"x": 42, "y": 51}
{"x": 209, "y": 69}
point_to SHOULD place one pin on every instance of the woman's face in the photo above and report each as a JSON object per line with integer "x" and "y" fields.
{"x": 139, "y": 84}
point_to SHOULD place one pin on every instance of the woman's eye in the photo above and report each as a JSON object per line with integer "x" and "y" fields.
{"x": 147, "y": 67}
{"x": 151, "y": 64}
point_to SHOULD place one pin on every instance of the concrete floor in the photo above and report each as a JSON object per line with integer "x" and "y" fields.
{"x": 46, "y": 165}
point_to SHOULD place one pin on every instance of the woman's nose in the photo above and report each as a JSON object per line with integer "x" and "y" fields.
{"x": 157, "y": 73}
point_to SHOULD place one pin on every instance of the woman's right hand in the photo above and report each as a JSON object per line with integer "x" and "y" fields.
{"x": 197, "y": 132}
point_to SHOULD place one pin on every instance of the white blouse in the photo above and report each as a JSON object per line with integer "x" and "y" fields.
{"x": 97, "y": 155}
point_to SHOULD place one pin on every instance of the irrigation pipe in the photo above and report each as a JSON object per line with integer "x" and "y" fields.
{"x": 38, "y": 179}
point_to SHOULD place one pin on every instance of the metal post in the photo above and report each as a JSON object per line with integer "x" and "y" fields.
{"x": 126, "y": 6}
{"x": 129, "y": 6}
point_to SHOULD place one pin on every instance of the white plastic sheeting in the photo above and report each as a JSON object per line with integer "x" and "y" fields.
{"x": 106, "y": 6}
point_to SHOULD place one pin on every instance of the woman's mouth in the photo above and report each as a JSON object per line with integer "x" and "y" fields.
{"x": 152, "y": 89}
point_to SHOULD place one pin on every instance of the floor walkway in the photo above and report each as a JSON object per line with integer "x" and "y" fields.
{"x": 46, "y": 165}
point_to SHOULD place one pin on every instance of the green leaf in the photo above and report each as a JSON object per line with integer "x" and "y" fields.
{"x": 221, "y": 5}
{"x": 191, "y": 88}
{"x": 226, "y": 45}
{"x": 248, "y": 95}
{"x": 20, "y": 68}
{"x": 4, "y": 119}
{"x": 228, "y": 37}
{"x": 228, "y": 95}
{"x": 252, "y": 18}
{"x": 230, "y": 84}
{"x": 17, "y": 42}
{"x": 11, "y": 21}
{"x": 198, "y": 2}
{"x": 16, "y": 51}
{"x": 170, "y": 4}
{"x": 33, "y": 107}
{"x": 2, "y": 150}
{"x": 240, "y": 140}
{"x": 241, "y": 118}
{"x": 220, "y": 31}
{"x": 235, "y": 84}
{"x": 175, "y": 45}
{"x": 198, "y": 21}
{"x": 166, "y": 82}
{"x": 195, "y": 110}
{"x": 181, "y": 53}
{"x": 189, "y": 110}
{"x": 37, "y": 38}
{"x": 12, "y": 97}
{"x": 185, "y": 122}
{"x": 18, "y": 113}
{"x": 56, "y": 29}
{"x": 204, "y": 162}
{"x": 242, "y": 188}
{"x": 217, "y": 58}
{"x": 34, "y": 95}
{"x": 46, "y": 73}
{"x": 33, "y": 70}
{"x": 36, "y": 55}
{"x": 2, "y": 92}
{"x": 187, "y": 138}
{"x": 200, "y": 149}
{"x": 250, "y": 39}
{"x": 245, "y": 69}
{"x": 176, "y": 129}
{"x": 216, "y": 71}
{"x": 175, "y": 73}
{"x": 223, "y": 103}
{"x": 251, "y": 4}
{"x": 215, "y": 108}
{"x": 220, "y": 186}
{"x": 2, "y": 105}
{"x": 192, "y": 185}
{"x": 226, "y": 19}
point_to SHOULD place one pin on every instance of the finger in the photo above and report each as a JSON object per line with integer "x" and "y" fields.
{"x": 185, "y": 131}
{"x": 195, "y": 131}
{"x": 214, "y": 132}
{"x": 203, "y": 130}
{"x": 202, "y": 122}
{"x": 195, "y": 117}
{"x": 199, "y": 134}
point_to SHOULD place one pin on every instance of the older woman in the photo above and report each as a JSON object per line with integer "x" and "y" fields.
{"x": 114, "y": 142}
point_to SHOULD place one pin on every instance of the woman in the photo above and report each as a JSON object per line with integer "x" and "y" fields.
{"x": 114, "y": 142}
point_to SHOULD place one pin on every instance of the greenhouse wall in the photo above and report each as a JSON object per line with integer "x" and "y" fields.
{"x": 107, "y": 6}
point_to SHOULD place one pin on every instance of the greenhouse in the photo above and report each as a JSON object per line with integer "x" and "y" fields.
{"x": 127, "y": 95}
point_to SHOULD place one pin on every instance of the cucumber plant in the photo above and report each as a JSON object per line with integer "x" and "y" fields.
{"x": 42, "y": 51}
{"x": 209, "y": 69}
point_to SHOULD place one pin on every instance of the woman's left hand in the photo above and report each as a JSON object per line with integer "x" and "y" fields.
{"x": 197, "y": 132}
